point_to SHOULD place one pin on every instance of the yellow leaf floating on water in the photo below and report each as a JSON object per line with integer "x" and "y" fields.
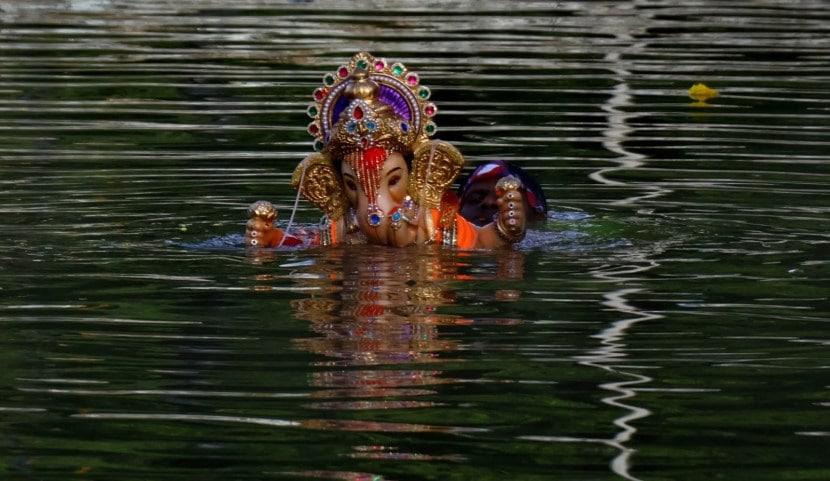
{"x": 701, "y": 93}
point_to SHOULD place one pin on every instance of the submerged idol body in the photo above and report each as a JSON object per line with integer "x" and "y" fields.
{"x": 378, "y": 176}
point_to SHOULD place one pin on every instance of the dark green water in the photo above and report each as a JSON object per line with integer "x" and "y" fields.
{"x": 669, "y": 322}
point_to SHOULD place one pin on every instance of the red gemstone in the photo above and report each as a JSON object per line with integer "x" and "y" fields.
{"x": 429, "y": 110}
{"x": 343, "y": 72}
{"x": 320, "y": 94}
{"x": 357, "y": 113}
{"x": 313, "y": 128}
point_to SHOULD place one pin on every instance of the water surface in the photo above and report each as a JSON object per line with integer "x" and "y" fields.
{"x": 669, "y": 321}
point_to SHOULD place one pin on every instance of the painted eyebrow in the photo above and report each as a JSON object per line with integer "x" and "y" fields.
{"x": 393, "y": 171}
{"x": 350, "y": 178}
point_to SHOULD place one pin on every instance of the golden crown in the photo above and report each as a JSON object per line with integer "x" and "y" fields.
{"x": 366, "y": 104}
{"x": 370, "y": 103}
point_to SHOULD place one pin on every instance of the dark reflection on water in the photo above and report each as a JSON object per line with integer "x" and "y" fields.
{"x": 669, "y": 320}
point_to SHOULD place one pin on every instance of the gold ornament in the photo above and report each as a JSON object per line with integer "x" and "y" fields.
{"x": 368, "y": 123}
{"x": 263, "y": 210}
{"x": 435, "y": 165}
{"x": 506, "y": 183}
{"x": 320, "y": 183}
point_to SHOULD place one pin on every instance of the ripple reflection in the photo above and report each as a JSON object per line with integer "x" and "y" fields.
{"x": 375, "y": 314}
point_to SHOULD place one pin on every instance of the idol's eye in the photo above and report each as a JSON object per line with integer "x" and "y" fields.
{"x": 350, "y": 184}
{"x": 393, "y": 181}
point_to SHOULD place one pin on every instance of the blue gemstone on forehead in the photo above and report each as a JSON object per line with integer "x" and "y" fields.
{"x": 370, "y": 125}
{"x": 405, "y": 126}
{"x": 351, "y": 127}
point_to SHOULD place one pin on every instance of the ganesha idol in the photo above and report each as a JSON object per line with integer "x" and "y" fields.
{"x": 377, "y": 174}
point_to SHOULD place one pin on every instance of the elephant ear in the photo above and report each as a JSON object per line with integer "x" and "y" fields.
{"x": 320, "y": 184}
{"x": 435, "y": 166}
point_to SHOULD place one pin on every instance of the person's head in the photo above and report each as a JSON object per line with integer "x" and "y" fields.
{"x": 477, "y": 195}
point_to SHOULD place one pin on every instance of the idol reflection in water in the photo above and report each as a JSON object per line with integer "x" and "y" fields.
{"x": 379, "y": 307}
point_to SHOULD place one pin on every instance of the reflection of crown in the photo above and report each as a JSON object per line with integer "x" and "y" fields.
{"x": 369, "y": 103}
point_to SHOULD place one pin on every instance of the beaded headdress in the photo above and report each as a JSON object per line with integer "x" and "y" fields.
{"x": 364, "y": 111}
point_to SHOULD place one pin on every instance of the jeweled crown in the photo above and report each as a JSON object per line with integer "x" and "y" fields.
{"x": 369, "y": 103}
{"x": 365, "y": 110}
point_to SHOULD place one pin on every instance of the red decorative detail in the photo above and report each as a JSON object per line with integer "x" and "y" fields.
{"x": 429, "y": 110}
{"x": 370, "y": 310}
{"x": 367, "y": 163}
{"x": 357, "y": 113}
{"x": 320, "y": 94}
{"x": 313, "y": 129}
{"x": 291, "y": 241}
{"x": 343, "y": 72}
{"x": 374, "y": 158}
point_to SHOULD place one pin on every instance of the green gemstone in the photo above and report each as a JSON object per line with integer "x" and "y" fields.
{"x": 329, "y": 80}
{"x": 312, "y": 111}
{"x": 319, "y": 145}
{"x": 362, "y": 64}
{"x": 424, "y": 93}
{"x": 398, "y": 69}
{"x": 430, "y": 128}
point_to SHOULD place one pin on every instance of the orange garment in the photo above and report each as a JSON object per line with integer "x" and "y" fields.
{"x": 452, "y": 224}
{"x": 452, "y": 229}
{"x": 466, "y": 233}
{"x": 326, "y": 235}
